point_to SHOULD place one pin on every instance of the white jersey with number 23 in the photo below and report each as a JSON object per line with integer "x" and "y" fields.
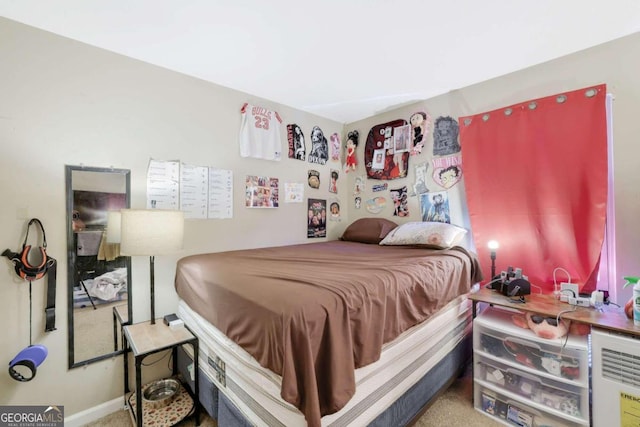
{"x": 260, "y": 133}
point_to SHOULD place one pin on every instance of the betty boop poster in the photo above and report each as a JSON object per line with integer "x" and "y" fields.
{"x": 399, "y": 198}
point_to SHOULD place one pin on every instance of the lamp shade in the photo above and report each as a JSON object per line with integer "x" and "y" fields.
{"x": 113, "y": 226}
{"x": 151, "y": 231}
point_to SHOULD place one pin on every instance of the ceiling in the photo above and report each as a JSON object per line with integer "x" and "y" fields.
{"x": 341, "y": 59}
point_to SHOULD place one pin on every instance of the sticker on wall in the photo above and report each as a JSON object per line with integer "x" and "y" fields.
{"x": 380, "y": 187}
{"x": 447, "y": 171}
{"x": 376, "y": 205}
{"x": 295, "y": 137}
{"x": 336, "y": 146}
{"x": 313, "y": 178}
{"x": 445, "y": 136}
{"x": 317, "y": 218}
{"x": 319, "y": 147}
{"x": 419, "y": 124}
{"x": 420, "y": 185}
{"x": 435, "y": 207}
{"x": 293, "y": 192}
{"x": 399, "y": 198}
{"x": 334, "y": 210}
{"x": 359, "y": 185}
{"x": 350, "y": 149}
{"x": 333, "y": 181}
{"x": 261, "y": 192}
{"x": 357, "y": 202}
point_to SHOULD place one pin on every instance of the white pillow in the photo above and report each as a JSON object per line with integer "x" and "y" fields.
{"x": 434, "y": 234}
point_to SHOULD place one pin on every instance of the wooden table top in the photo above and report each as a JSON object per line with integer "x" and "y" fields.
{"x": 611, "y": 317}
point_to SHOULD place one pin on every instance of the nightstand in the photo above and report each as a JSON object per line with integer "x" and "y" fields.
{"x": 145, "y": 339}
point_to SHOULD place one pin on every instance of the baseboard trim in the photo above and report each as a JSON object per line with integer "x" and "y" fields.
{"x": 92, "y": 414}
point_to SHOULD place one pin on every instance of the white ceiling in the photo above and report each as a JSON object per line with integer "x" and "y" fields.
{"x": 341, "y": 59}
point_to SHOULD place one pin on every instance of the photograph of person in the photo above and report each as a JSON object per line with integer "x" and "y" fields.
{"x": 378, "y": 159}
{"x": 334, "y": 209}
{"x": 333, "y": 182}
{"x": 435, "y": 207}
{"x": 261, "y": 192}
{"x": 401, "y": 139}
{"x": 317, "y": 218}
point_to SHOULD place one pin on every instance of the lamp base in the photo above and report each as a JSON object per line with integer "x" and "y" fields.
{"x": 153, "y": 296}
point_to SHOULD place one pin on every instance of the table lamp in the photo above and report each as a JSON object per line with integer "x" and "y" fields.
{"x": 151, "y": 232}
{"x": 493, "y": 246}
{"x": 114, "y": 219}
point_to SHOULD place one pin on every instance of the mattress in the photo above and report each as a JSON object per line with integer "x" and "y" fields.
{"x": 315, "y": 312}
{"x": 255, "y": 391}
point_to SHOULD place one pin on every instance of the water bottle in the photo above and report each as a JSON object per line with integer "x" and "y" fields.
{"x": 635, "y": 281}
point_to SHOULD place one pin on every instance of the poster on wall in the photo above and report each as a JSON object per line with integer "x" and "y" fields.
{"x": 445, "y": 136}
{"x": 319, "y": 147}
{"x": 293, "y": 192}
{"x": 420, "y": 185}
{"x": 163, "y": 184}
{"x": 261, "y": 192}
{"x": 317, "y": 218}
{"x": 295, "y": 137}
{"x": 194, "y": 191}
{"x": 335, "y": 147}
{"x": 220, "y": 193}
{"x": 401, "y": 139}
{"x": 435, "y": 207}
{"x": 447, "y": 171}
{"x": 399, "y": 198}
{"x": 201, "y": 192}
{"x": 419, "y": 123}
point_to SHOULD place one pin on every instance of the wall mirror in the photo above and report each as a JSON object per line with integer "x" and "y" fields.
{"x": 98, "y": 277}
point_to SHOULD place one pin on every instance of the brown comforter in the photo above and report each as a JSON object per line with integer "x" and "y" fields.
{"x": 312, "y": 313}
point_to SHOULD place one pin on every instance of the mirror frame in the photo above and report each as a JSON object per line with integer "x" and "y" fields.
{"x": 71, "y": 261}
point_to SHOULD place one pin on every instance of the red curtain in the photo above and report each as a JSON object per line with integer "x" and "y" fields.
{"x": 536, "y": 181}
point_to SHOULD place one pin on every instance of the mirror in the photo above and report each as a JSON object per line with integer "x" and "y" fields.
{"x": 99, "y": 298}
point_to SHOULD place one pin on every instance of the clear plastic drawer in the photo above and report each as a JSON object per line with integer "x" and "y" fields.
{"x": 566, "y": 398}
{"x": 497, "y": 337}
{"x": 514, "y": 412}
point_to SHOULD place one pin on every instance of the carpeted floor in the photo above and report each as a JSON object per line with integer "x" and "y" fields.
{"x": 452, "y": 408}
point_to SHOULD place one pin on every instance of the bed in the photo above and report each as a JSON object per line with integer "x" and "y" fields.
{"x": 329, "y": 333}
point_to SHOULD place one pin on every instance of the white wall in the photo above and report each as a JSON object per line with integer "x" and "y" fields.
{"x": 62, "y": 102}
{"x": 65, "y": 103}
